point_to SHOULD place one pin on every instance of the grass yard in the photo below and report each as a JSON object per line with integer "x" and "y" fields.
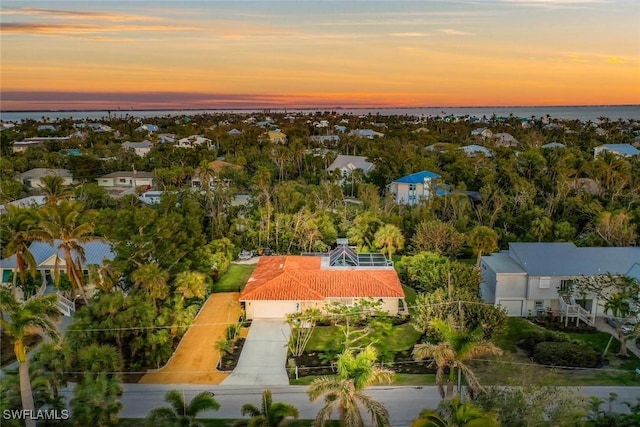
{"x": 235, "y": 278}
{"x": 515, "y": 368}
{"x": 403, "y": 338}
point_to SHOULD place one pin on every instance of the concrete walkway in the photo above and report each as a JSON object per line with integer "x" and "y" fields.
{"x": 264, "y": 355}
{"x": 195, "y": 359}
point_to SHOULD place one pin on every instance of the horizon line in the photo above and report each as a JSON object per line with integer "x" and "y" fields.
{"x": 338, "y": 107}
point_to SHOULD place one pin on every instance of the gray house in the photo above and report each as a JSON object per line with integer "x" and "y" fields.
{"x": 527, "y": 278}
{"x": 347, "y": 164}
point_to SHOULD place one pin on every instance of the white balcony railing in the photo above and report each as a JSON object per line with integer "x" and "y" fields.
{"x": 569, "y": 309}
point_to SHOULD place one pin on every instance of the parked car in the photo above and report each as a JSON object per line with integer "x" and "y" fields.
{"x": 626, "y": 327}
{"x": 244, "y": 255}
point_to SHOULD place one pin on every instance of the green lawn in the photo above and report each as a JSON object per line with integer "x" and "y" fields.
{"x": 514, "y": 367}
{"x": 403, "y": 338}
{"x": 235, "y": 278}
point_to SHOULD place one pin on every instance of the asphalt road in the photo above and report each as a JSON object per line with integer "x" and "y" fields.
{"x": 403, "y": 403}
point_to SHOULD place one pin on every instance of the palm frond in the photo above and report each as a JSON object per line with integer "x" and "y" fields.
{"x": 379, "y": 414}
{"x": 249, "y": 409}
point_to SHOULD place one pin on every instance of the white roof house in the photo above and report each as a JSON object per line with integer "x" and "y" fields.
{"x": 348, "y": 164}
{"x": 33, "y": 177}
{"x": 366, "y": 133}
{"x": 19, "y": 146}
{"x": 504, "y": 139}
{"x": 483, "y": 132}
{"x": 193, "y": 141}
{"x": 473, "y": 150}
{"x": 553, "y": 145}
{"x": 141, "y": 148}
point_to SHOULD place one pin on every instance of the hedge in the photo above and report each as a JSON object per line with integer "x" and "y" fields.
{"x": 566, "y": 354}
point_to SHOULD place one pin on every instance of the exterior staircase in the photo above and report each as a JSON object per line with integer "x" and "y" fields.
{"x": 569, "y": 309}
{"x": 64, "y": 304}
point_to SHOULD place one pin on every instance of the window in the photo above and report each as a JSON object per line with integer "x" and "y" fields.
{"x": 545, "y": 282}
{"x": 412, "y": 187}
{"x": 566, "y": 285}
{"x": 122, "y": 180}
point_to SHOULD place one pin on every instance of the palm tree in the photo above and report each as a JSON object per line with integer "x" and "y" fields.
{"x": 344, "y": 393}
{"x": 34, "y": 315}
{"x": 619, "y": 305}
{"x": 17, "y": 233}
{"x": 389, "y": 238}
{"x": 180, "y": 413}
{"x": 68, "y": 223}
{"x": 483, "y": 240}
{"x": 54, "y": 189}
{"x": 269, "y": 415}
{"x": 458, "y": 347}
{"x": 455, "y": 414}
{"x": 191, "y": 284}
{"x": 154, "y": 280}
{"x": 96, "y": 400}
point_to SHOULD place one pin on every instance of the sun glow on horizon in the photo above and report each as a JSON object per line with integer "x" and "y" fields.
{"x": 307, "y": 54}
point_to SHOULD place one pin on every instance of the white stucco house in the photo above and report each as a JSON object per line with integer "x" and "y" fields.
{"x": 529, "y": 277}
{"x": 126, "y": 179}
{"x": 288, "y": 284}
{"x": 412, "y": 189}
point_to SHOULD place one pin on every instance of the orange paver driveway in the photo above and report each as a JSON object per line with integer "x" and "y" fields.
{"x": 195, "y": 359}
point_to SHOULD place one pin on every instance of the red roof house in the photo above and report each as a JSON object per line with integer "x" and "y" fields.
{"x": 287, "y": 284}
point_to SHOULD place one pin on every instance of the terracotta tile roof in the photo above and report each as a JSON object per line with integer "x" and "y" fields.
{"x": 300, "y": 278}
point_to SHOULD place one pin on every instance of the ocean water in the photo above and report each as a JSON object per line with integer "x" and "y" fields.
{"x": 584, "y": 113}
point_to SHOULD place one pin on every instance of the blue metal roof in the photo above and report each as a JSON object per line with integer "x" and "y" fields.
{"x": 95, "y": 252}
{"x": 417, "y": 178}
{"x": 565, "y": 259}
{"x": 634, "y": 271}
{"x": 626, "y": 149}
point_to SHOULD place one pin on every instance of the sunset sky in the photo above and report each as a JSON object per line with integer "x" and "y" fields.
{"x": 267, "y": 54}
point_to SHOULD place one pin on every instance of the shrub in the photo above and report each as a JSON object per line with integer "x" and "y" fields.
{"x": 231, "y": 333}
{"x": 566, "y": 354}
{"x": 530, "y": 339}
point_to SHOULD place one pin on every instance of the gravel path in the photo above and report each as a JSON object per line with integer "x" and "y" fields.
{"x": 195, "y": 359}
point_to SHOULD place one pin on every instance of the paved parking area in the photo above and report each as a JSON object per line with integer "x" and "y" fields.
{"x": 264, "y": 355}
